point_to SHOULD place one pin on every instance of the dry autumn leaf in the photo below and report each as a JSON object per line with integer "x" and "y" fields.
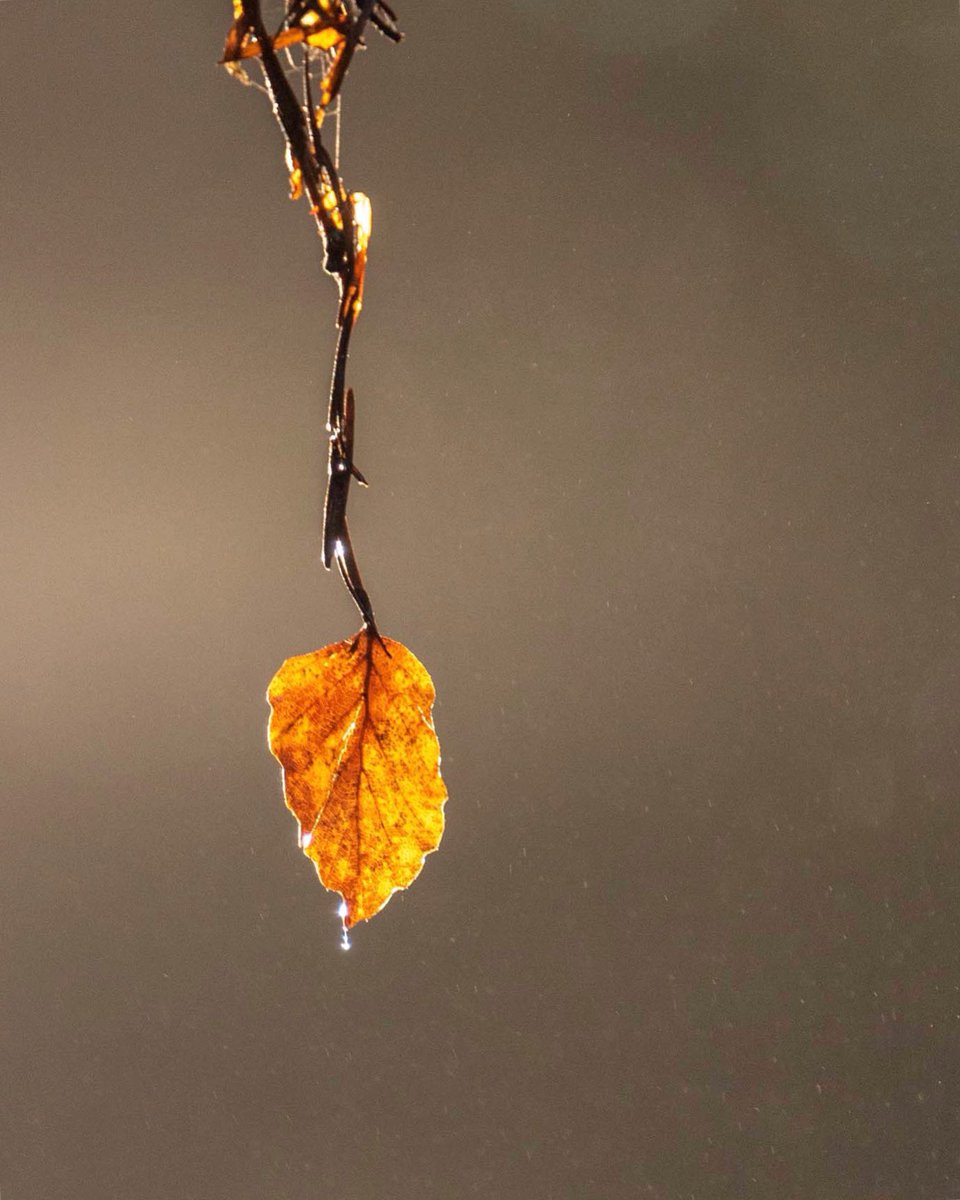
{"x": 351, "y": 727}
{"x": 320, "y": 25}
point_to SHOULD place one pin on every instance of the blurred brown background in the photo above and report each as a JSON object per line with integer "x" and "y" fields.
{"x": 657, "y": 379}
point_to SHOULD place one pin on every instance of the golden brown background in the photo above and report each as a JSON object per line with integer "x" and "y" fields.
{"x": 657, "y": 379}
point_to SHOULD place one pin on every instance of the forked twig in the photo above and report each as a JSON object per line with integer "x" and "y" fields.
{"x": 331, "y": 31}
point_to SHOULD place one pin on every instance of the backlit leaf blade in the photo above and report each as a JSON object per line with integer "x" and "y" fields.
{"x": 351, "y": 725}
{"x": 322, "y": 26}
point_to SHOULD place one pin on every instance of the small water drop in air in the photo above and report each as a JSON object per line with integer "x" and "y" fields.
{"x": 342, "y": 911}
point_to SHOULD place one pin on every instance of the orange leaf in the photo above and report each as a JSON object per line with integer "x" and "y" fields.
{"x": 238, "y": 37}
{"x": 352, "y": 298}
{"x": 351, "y": 727}
{"x": 296, "y": 183}
{"x": 322, "y": 27}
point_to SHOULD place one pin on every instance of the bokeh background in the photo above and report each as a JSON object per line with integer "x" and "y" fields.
{"x": 657, "y": 382}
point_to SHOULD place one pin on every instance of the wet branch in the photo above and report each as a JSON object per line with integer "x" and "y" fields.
{"x": 327, "y": 32}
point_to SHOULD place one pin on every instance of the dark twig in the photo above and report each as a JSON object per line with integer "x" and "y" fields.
{"x": 335, "y": 214}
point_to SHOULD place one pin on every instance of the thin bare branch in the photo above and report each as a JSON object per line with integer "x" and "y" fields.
{"x": 331, "y": 31}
